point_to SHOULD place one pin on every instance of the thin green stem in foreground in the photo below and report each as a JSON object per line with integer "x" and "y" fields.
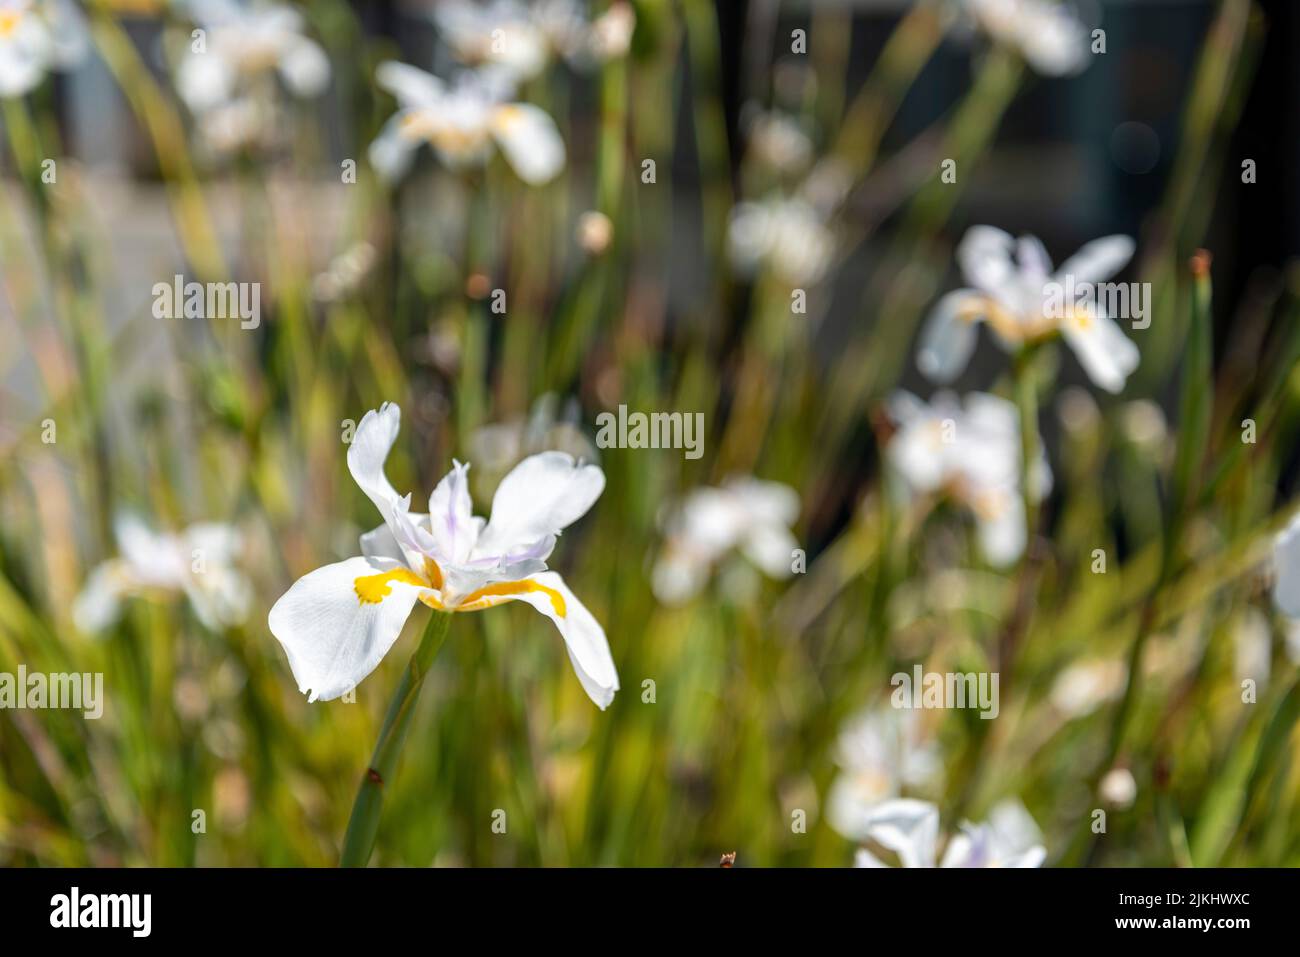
{"x": 364, "y": 822}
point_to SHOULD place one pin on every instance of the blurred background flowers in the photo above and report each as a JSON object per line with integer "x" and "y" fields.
{"x": 813, "y": 223}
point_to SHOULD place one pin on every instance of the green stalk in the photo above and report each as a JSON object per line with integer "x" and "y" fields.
{"x": 1193, "y": 435}
{"x": 364, "y": 822}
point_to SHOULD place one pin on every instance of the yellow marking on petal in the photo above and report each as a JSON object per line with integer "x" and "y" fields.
{"x": 9, "y": 20}
{"x": 433, "y": 573}
{"x": 372, "y": 589}
{"x": 512, "y": 588}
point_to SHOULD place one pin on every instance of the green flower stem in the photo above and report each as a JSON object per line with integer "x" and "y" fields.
{"x": 364, "y": 822}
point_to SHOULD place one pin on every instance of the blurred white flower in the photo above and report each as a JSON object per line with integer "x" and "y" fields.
{"x": 1286, "y": 562}
{"x": 746, "y": 514}
{"x": 498, "y": 447}
{"x": 199, "y": 562}
{"x": 910, "y": 829}
{"x": 241, "y": 43}
{"x": 521, "y": 39}
{"x": 971, "y": 453}
{"x": 880, "y": 752}
{"x": 337, "y": 622}
{"x": 1011, "y": 278}
{"x": 788, "y": 236}
{"x": 37, "y": 36}
{"x": 463, "y": 122}
{"x": 1048, "y": 35}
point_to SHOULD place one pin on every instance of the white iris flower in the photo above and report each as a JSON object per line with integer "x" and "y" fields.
{"x": 463, "y": 123}
{"x": 1011, "y": 282}
{"x": 338, "y": 622}
{"x": 243, "y": 43}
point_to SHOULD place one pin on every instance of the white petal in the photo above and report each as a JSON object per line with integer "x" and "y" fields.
{"x": 679, "y": 575}
{"x": 371, "y": 443}
{"x": 332, "y": 637}
{"x": 67, "y": 35}
{"x": 392, "y": 151}
{"x": 985, "y": 256}
{"x": 1000, "y": 517}
{"x": 770, "y": 547}
{"x": 585, "y": 639}
{"x": 1098, "y": 260}
{"x": 948, "y": 338}
{"x": 100, "y": 600}
{"x": 204, "y": 80}
{"x": 1053, "y": 41}
{"x": 305, "y": 68}
{"x": 1106, "y": 354}
{"x": 451, "y": 515}
{"x": 907, "y": 827}
{"x": 531, "y": 143}
{"x": 1286, "y": 558}
{"x": 540, "y": 496}
{"x": 410, "y": 86}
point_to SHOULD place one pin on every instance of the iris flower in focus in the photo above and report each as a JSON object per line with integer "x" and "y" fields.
{"x": 337, "y": 622}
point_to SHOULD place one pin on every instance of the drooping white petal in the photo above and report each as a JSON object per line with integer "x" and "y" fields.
{"x": 1286, "y": 559}
{"x": 540, "y": 496}
{"x": 1098, "y": 260}
{"x": 99, "y": 603}
{"x": 948, "y": 338}
{"x": 334, "y": 637}
{"x": 583, "y": 636}
{"x": 1106, "y": 354}
{"x": 907, "y": 827}
{"x": 393, "y": 150}
{"x": 1000, "y": 519}
{"x": 530, "y": 141}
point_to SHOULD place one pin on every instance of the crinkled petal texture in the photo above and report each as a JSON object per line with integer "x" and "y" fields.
{"x": 1286, "y": 559}
{"x": 583, "y": 636}
{"x": 336, "y": 630}
{"x": 540, "y": 497}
